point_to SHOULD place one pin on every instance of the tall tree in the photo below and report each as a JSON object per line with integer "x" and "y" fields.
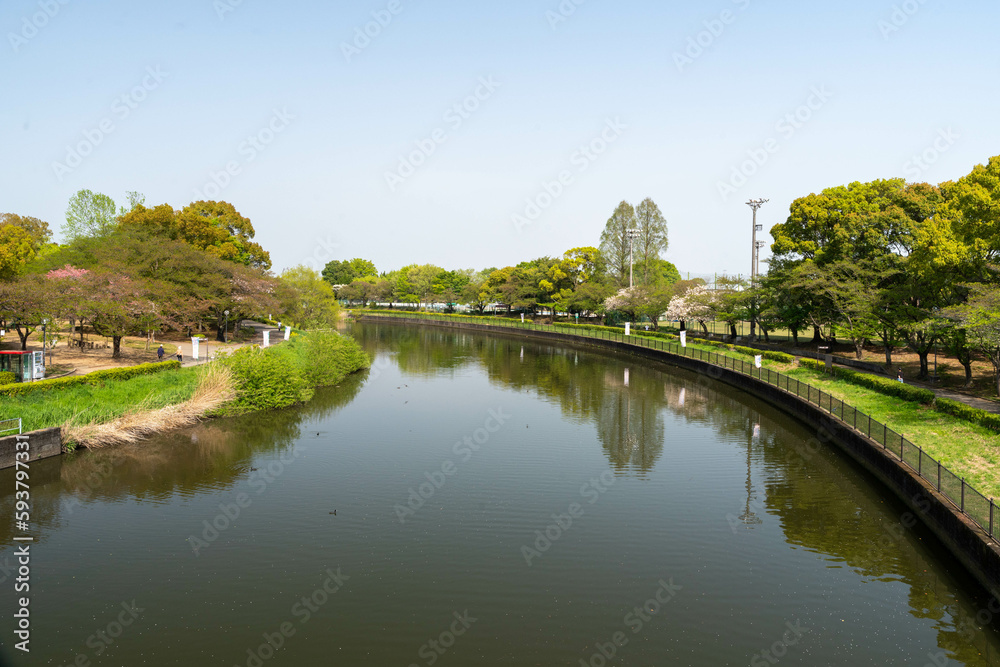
{"x": 89, "y": 214}
{"x": 16, "y": 249}
{"x": 213, "y": 226}
{"x": 38, "y": 230}
{"x": 307, "y": 300}
{"x": 615, "y": 242}
{"x": 652, "y": 241}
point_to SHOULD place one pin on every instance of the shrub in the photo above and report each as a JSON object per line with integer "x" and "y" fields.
{"x": 7, "y": 377}
{"x": 968, "y": 413}
{"x": 327, "y": 358}
{"x": 95, "y": 378}
{"x": 264, "y": 379}
{"x": 880, "y": 384}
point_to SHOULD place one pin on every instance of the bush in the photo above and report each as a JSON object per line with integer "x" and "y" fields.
{"x": 327, "y": 358}
{"x": 880, "y": 384}
{"x": 95, "y": 378}
{"x": 968, "y": 413}
{"x": 7, "y": 377}
{"x": 264, "y": 379}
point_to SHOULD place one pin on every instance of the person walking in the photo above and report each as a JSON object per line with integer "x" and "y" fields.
{"x": 899, "y": 376}
{"x": 160, "y": 353}
{"x": 180, "y": 357}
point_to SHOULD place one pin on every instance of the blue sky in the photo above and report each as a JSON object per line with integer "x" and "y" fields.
{"x": 165, "y": 98}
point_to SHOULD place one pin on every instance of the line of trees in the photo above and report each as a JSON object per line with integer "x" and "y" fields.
{"x": 887, "y": 262}
{"x": 135, "y": 271}
{"x": 587, "y": 281}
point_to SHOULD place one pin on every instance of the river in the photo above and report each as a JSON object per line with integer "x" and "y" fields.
{"x": 498, "y": 502}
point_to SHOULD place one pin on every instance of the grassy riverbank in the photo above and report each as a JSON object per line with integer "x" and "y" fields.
{"x": 248, "y": 380}
{"x": 89, "y": 404}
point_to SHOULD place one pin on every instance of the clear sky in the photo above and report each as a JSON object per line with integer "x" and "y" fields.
{"x": 669, "y": 99}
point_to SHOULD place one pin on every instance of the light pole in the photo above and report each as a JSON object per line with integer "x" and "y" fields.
{"x": 755, "y": 204}
{"x": 225, "y": 332}
{"x": 632, "y": 234}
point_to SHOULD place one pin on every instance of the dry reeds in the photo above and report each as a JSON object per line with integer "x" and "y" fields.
{"x": 215, "y": 387}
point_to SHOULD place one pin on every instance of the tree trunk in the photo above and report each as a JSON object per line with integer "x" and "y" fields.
{"x": 859, "y": 348}
{"x": 767, "y": 336}
{"x": 704, "y": 326}
{"x": 968, "y": 374}
{"x": 817, "y": 336}
{"x": 732, "y": 330}
{"x": 682, "y": 326}
{"x": 795, "y": 336}
{"x": 23, "y": 336}
{"x": 923, "y": 364}
{"x": 116, "y": 352}
{"x": 888, "y": 356}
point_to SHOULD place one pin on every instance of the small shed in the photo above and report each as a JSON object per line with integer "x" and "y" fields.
{"x": 25, "y": 365}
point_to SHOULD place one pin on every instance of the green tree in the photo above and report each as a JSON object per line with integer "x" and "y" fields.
{"x": 38, "y": 230}
{"x": 17, "y": 248}
{"x": 90, "y": 214}
{"x": 652, "y": 240}
{"x": 307, "y": 300}
{"x": 25, "y": 303}
{"x": 215, "y": 227}
{"x": 615, "y": 242}
{"x": 343, "y": 272}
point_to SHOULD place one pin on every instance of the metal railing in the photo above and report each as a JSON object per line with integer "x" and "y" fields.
{"x": 962, "y": 495}
{"x": 10, "y": 425}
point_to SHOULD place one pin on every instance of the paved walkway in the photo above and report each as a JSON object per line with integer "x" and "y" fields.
{"x": 208, "y": 348}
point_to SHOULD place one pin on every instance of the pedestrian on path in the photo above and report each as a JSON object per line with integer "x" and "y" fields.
{"x": 899, "y": 375}
{"x": 160, "y": 353}
{"x": 180, "y": 357}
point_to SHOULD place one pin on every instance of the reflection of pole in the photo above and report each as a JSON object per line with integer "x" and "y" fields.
{"x": 748, "y": 517}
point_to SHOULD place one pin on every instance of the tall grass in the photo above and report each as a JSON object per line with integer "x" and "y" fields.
{"x": 90, "y": 404}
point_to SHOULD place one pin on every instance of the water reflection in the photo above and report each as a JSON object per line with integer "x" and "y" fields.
{"x": 822, "y": 502}
{"x": 211, "y": 455}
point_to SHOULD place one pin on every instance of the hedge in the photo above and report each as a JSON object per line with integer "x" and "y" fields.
{"x": 97, "y": 377}
{"x": 968, "y": 413}
{"x": 882, "y": 385}
{"x": 6, "y": 377}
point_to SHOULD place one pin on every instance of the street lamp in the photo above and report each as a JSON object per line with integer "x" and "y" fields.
{"x": 632, "y": 235}
{"x": 755, "y": 204}
{"x": 225, "y": 331}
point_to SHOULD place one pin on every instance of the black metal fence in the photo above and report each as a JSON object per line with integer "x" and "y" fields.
{"x": 966, "y": 499}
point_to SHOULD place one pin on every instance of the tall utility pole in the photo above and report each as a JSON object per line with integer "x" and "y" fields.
{"x": 755, "y": 204}
{"x": 632, "y": 234}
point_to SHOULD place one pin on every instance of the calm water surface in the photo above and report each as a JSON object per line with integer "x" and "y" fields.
{"x": 498, "y": 503}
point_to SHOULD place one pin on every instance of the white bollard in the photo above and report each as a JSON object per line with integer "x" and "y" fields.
{"x": 288, "y": 333}
{"x": 628, "y": 328}
{"x": 194, "y": 349}
{"x": 684, "y": 339}
{"x": 267, "y": 339}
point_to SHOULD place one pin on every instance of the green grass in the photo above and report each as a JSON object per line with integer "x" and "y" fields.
{"x": 969, "y": 450}
{"x": 100, "y": 403}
